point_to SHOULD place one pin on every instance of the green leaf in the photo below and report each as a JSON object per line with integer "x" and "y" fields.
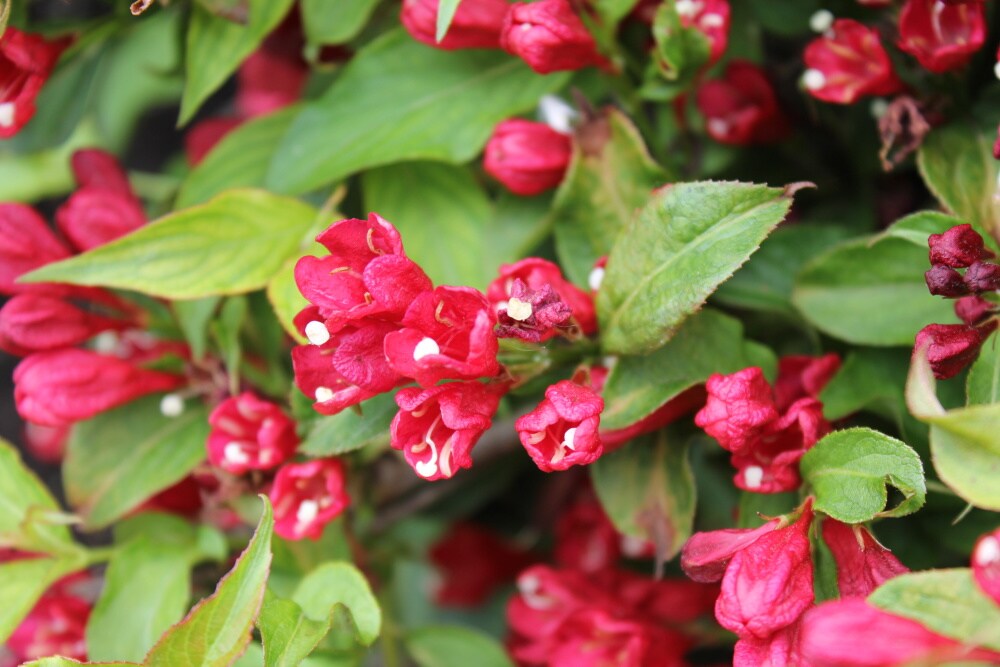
{"x": 453, "y": 99}
{"x": 284, "y": 295}
{"x": 849, "y": 471}
{"x": 217, "y": 630}
{"x": 684, "y": 243}
{"x": 681, "y": 51}
{"x": 609, "y": 179}
{"x": 647, "y": 489}
{"x": 709, "y": 342}
{"x": 58, "y": 661}
{"x": 235, "y": 243}
{"x": 957, "y": 164}
{"x": 30, "y": 177}
{"x": 120, "y": 458}
{"x": 964, "y": 447}
{"x": 238, "y": 161}
{"x": 454, "y": 646}
{"x": 446, "y": 13}
{"x": 337, "y": 22}
{"x": 24, "y": 501}
{"x": 348, "y": 431}
{"x": 23, "y": 581}
{"x": 288, "y": 636}
{"x": 226, "y": 330}
{"x": 217, "y": 46}
{"x": 983, "y": 382}
{"x": 871, "y": 291}
{"x": 340, "y": 584}
{"x": 948, "y": 602}
{"x": 193, "y": 317}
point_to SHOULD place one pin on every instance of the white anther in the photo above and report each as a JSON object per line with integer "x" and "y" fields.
{"x": 813, "y": 79}
{"x": 317, "y": 333}
{"x": 7, "y": 110}
{"x": 996, "y": 70}
{"x": 525, "y": 27}
{"x": 821, "y": 20}
{"x": 753, "y": 476}
{"x": 687, "y": 8}
{"x": 556, "y": 113}
{"x": 718, "y": 127}
{"x": 233, "y": 453}
{"x": 987, "y": 552}
{"x": 307, "y": 512}
{"x": 425, "y": 347}
{"x": 711, "y": 21}
{"x": 323, "y": 394}
{"x": 878, "y": 108}
{"x": 426, "y": 468}
{"x": 595, "y": 278}
{"x": 105, "y": 342}
{"x": 569, "y": 439}
{"x": 171, "y": 405}
{"x": 518, "y": 310}
{"x": 632, "y": 546}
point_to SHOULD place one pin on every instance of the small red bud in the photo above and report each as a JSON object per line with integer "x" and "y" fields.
{"x": 983, "y": 277}
{"x": 945, "y": 281}
{"x": 958, "y": 247}
{"x": 951, "y": 347}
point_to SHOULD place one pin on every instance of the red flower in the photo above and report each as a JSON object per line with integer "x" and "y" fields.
{"x": 710, "y": 18}
{"x": 46, "y": 443}
{"x": 55, "y": 626}
{"x": 473, "y": 562}
{"x": 307, "y": 496}
{"x": 942, "y": 35}
{"x": 959, "y": 247}
{"x": 436, "y": 428}
{"x": 476, "y": 24}
{"x": 562, "y": 431}
{"x": 586, "y": 540}
{"x": 316, "y": 377}
{"x": 532, "y": 315}
{"x": 36, "y": 323}
{"x": 945, "y": 281}
{"x": 952, "y": 347}
{"x": 549, "y": 36}
{"x": 274, "y": 76}
{"x": 862, "y": 563}
{"x": 249, "y": 434}
{"x": 446, "y": 334}
{"x": 801, "y": 376}
{"x": 973, "y": 309}
{"x": 26, "y": 243}
{"x": 536, "y": 274}
{"x": 595, "y": 637}
{"x": 705, "y": 556}
{"x": 986, "y": 564}
{"x": 780, "y": 649}
{"x": 367, "y": 274}
{"x": 204, "y": 135}
{"x": 848, "y": 63}
{"x": 982, "y": 277}
{"x": 26, "y": 61}
{"x": 739, "y": 408}
{"x": 56, "y": 388}
{"x": 527, "y": 157}
{"x": 742, "y": 108}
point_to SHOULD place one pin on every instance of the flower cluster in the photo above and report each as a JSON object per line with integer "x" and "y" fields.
{"x": 26, "y": 62}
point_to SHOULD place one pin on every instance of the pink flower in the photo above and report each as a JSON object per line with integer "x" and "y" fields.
{"x": 832, "y": 632}
{"x": 710, "y": 18}
{"x": 536, "y": 274}
{"x": 307, "y": 496}
{"x": 316, "y": 377}
{"x": 55, "y": 626}
{"x": 249, "y": 434}
{"x": 862, "y": 563}
{"x": 549, "y": 36}
{"x": 476, "y": 24}
{"x": 26, "y": 62}
{"x": 204, "y": 135}
{"x": 473, "y": 562}
{"x": 952, "y": 347}
{"x": 768, "y": 584}
{"x": 274, "y": 76}
{"x": 741, "y": 108}
{"x": 739, "y": 408}
{"x": 959, "y": 247}
{"x": 942, "y": 35}
{"x": 64, "y": 386}
{"x": 528, "y": 158}
{"x": 447, "y": 334}
{"x": 46, "y": 443}
{"x": 706, "y": 556}
{"x": 532, "y": 315}
{"x": 595, "y": 637}
{"x": 562, "y": 431}
{"x": 973, "y": 309}
{"x": 586, "y": 540}
{"x": 801, "y": 376}
{"x": 436, "y": 428}
{"x": 32, "y": 322}
{"x": 986, "y": 564}
{"x": 848, "y": 63}
{"x": 26, "y": 243}
{"x": 780, "y": 649}
{"x": 366, "y": 274}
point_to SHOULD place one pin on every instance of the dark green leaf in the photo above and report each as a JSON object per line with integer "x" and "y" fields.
{"x": 849, "y": 471}
{"x": 337, "y": 22}
{"x": 454, "y": 646}
{"x": 347, "y": 431}
{"x": 23, "y": 581}
{"x": 235, "y": 243}
{"x": 685, "y": 242}
{"x": 24, "y": 502}
{"x": 453, "y": 99}
{"x": 120, "y": 458}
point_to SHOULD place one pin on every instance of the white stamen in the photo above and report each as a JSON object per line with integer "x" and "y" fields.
{"x": 633, "y": 546}
{"x": 556, "y": 113}
{"x": 307, "y": 512}
{"x": 317, "y": 333}
{"x": 428, "y": 468}
{"x": 105, "y": 342}
{"x": 595, "y": 278}
{"x": 711, "y": 21}
{"x": 569, "y": 439}
{"x": 323, "y": 394}
{"x": 425, "y": 347}
{"x": 233, "y": 453}
{"x": 813, "y": 79}
{"x": 687, "y": 8}
{"x": 753, "y": 476}
{"x": 987, "y": 552}
{"x": 996, "y": 70}
{"x": 7, "y": 110}
{"x": 718, "y": 127}
{"x": 171, "y": 405}
{"x": 518, "y": 310}
{"x": 525, "y": 27}
{"x": 879, "y": 107}
{"x": 821, "y": 21}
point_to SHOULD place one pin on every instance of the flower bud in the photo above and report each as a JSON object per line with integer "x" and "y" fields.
{"x": 55, "y": 626}
{"x": 270, "y": 78}
{"x": 983, "y": 277}
{"x": 941, "y": 35}
{"x": 537, "y": 273}
{"x": 528, "y": 158}
{"x": 741, "y": 108}
{"x": 973, "y": 309}
{"x": 249, "y": 434}
{"x": 549, "y": 36}
{"x": 802, "y": 376}
{"x": 476, "y": 24}
{"x": 65, "y": 386}
{"x": 945, "y": 281}
{"x": 951, "y": 347}
{"x": 986, "y": 564}
{"x": 307, "y": 496}
{"x": 959, "y": 247}
{"x": 562, "y": 431}
{"x": 436, "y": 428}
{"x": 739, "y": 408}
{"x": 532, "y": 315}
{"x": 37, "y": 323}
{"x": 26, "y": 243}
{"x": 862, "y": 563}
{"x": 92, "y": 217}
{"x": 95, "y": 168}
{"x": 46, "y": 443}
{"x": 706, "y": 555}
{"x": 26, "y": 61}
{"x": 847, "y": 63}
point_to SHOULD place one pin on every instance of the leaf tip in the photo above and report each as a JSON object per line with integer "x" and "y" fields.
{"x": 793, "y": 188}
